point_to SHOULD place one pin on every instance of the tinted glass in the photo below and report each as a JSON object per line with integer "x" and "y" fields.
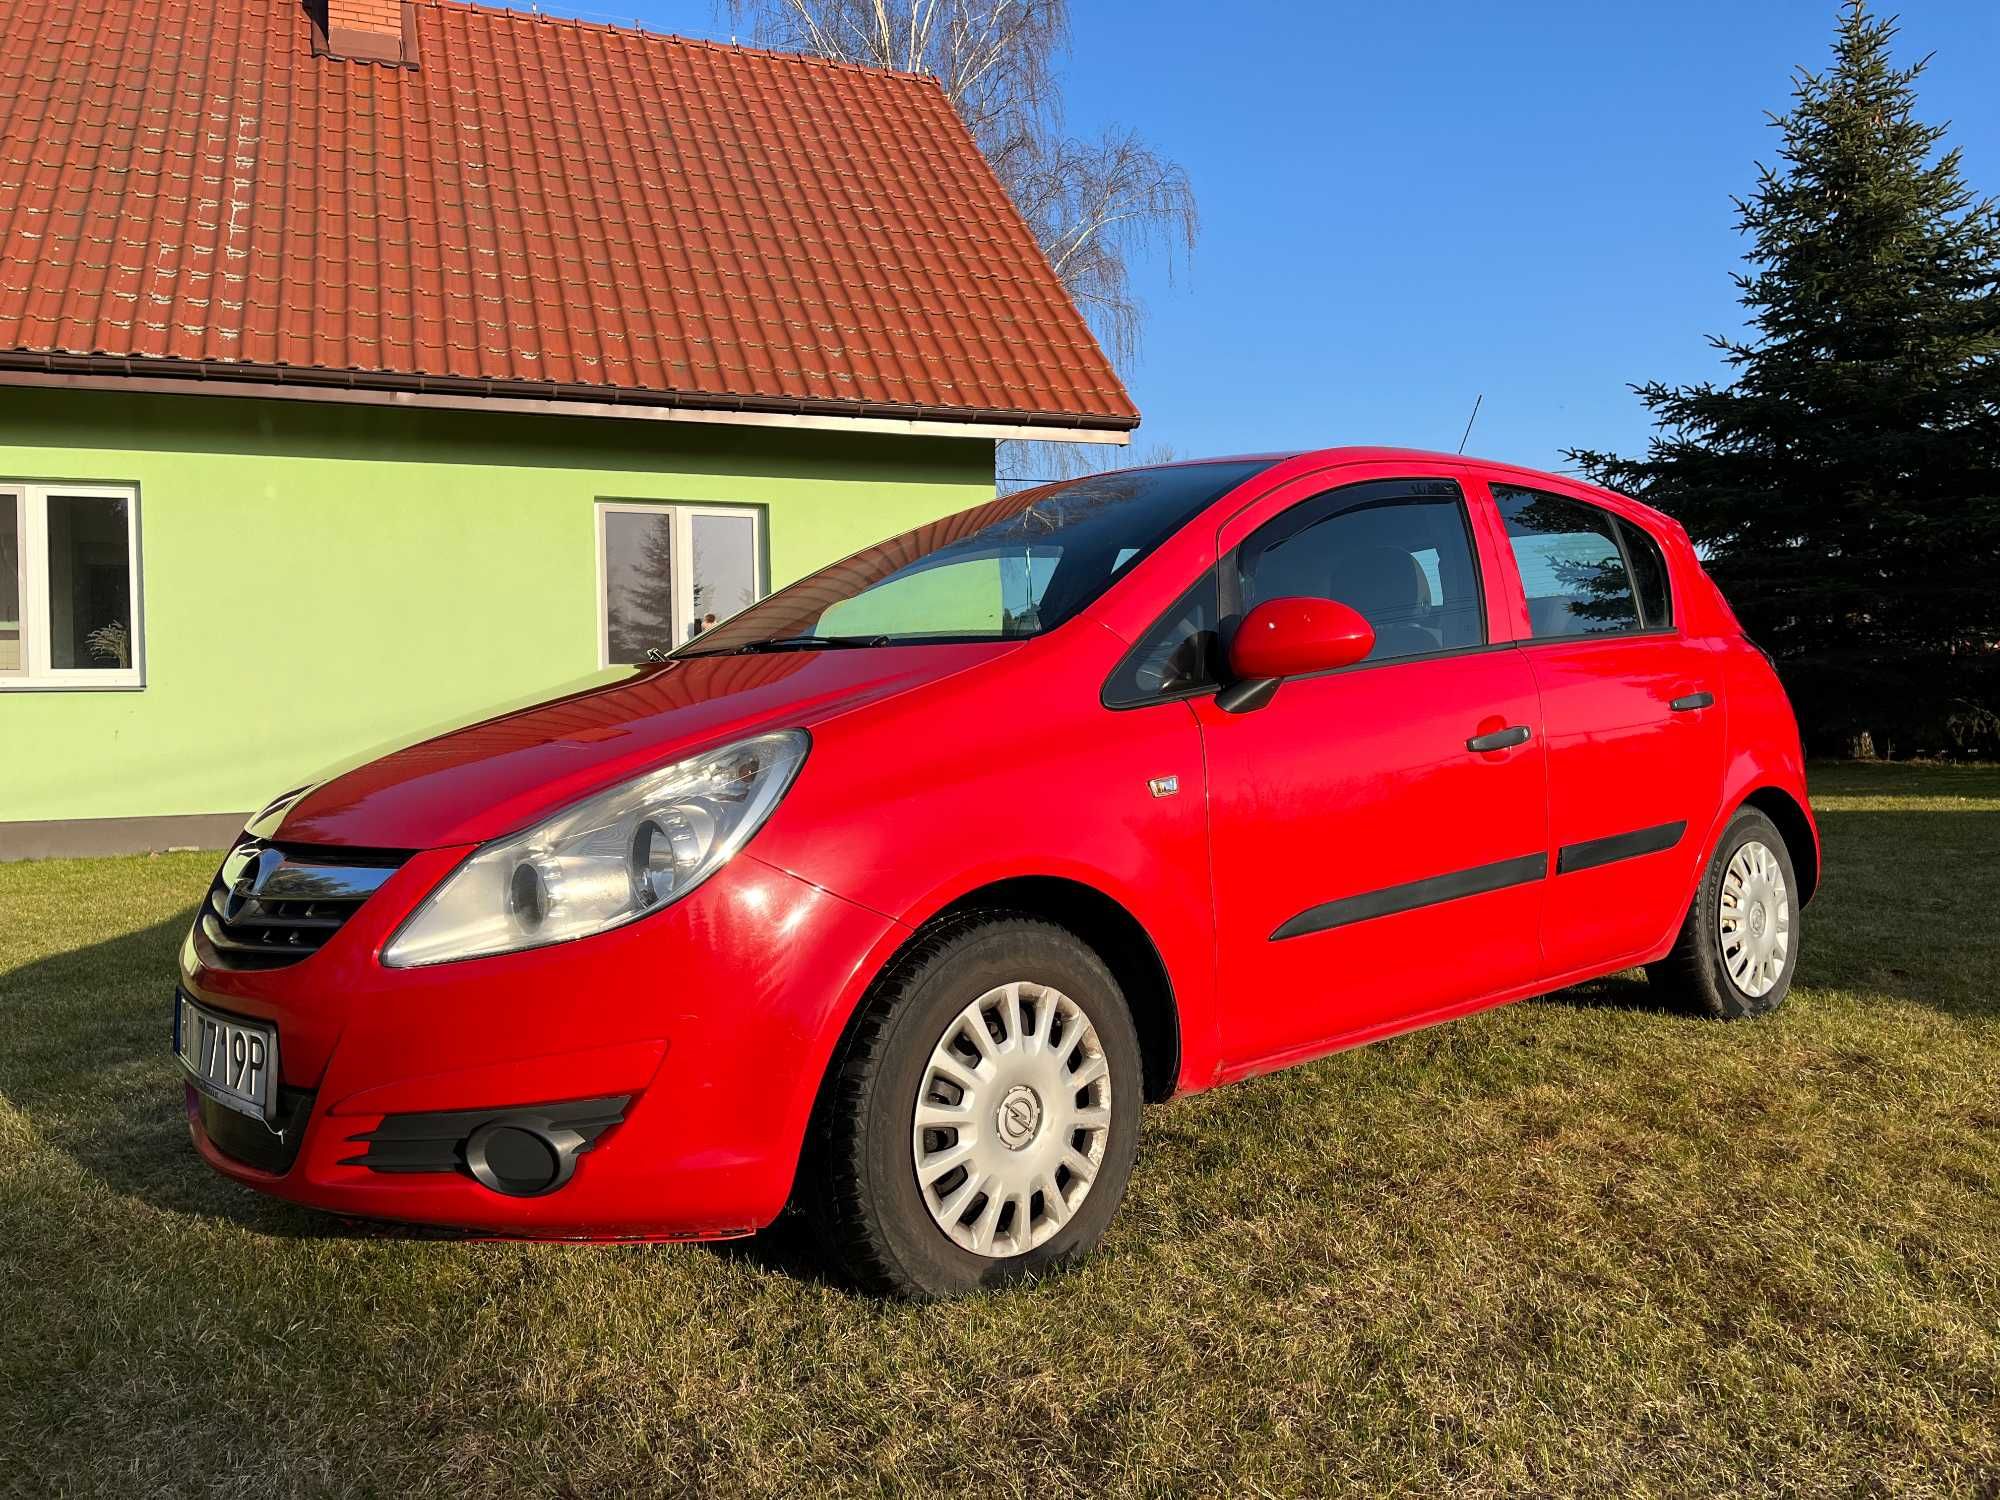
{"x": 1572, "y": 568}
{"x": 1649, "y": 576}
{"x": 1014, "y": 567}
{"x": 11, "y": 655}
{"x": 90, "y": 584}
{"x": 1181, "y": 653}
{"x": 1397, "y": 551}
{"x": 638, "y": 582}
{"x": 725, "y": 567}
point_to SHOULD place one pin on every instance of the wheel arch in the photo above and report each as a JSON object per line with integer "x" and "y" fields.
{"x": 1098, "y": 920}
{"x": 1117, "y": 937}
{"x": 1793, "y": 822}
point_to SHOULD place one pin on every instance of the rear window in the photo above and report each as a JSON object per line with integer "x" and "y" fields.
{"x": 1649, "y": 576}
{"x": 1572, "y": 564}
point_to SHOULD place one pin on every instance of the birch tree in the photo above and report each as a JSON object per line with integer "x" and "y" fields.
{"x": 1095, "y": 205}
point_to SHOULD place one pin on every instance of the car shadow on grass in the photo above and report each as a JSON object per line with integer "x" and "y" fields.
{"x": 86, "y": 1055}
{"x": 1629, "y": 991}
{"x": 786, "y": 1247}
{"x": 1904, "y": 911}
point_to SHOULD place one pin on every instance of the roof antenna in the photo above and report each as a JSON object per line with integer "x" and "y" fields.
{"x": 1470, "y": 420}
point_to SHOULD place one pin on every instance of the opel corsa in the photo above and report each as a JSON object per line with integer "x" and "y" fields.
{"x": 896, "y": 895}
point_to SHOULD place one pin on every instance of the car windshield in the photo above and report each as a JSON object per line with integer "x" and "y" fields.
{"x": 1011, "y": 568}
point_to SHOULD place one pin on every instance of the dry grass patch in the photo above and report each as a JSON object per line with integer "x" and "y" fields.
{"x": 1574, "y": 1245}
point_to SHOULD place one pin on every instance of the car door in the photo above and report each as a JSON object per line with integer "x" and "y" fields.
{"x": 1377, "y": 833}
{"x": 1634, "y": 723}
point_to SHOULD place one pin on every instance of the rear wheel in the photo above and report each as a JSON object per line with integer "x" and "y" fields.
{"x": 1739, "y": 945}
{"x": 982, "y": 1121}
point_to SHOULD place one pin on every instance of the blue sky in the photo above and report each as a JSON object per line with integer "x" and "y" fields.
{"x": 1404, "y": 205}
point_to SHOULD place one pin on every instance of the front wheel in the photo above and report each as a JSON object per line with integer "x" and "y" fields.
{"x": 1739, "y": 945}
{"x": 982, "y": 1121}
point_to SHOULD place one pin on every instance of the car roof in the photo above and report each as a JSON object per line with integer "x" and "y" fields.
{"x": 1305, "y": 460}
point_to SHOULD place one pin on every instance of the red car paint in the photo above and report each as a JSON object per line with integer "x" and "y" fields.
{"x": 936, "y": 771}
{"x": 1285, "y": 637}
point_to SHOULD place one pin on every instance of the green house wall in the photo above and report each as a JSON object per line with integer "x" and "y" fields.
{"x": 320, "y": 580}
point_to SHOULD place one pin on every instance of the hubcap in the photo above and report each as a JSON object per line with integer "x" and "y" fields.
{"x": 1011, "y": 1120}
{"x": 1754, "y": 919}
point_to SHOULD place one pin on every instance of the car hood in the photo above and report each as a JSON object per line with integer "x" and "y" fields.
{"x": 503, "y": 773}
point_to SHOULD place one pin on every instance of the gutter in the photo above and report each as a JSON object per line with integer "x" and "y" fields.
{"x": 110, "y": 372}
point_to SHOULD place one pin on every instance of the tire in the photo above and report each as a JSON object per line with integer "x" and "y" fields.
{"x": 860, "y": 1188}
{"x": 1708, "y": 973}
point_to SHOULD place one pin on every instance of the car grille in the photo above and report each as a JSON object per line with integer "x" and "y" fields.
{"x": 272, "y": 905}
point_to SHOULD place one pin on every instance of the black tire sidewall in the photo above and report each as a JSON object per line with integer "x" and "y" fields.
{"x": 987, "y": 958}
{"x": 1748, "y": 826}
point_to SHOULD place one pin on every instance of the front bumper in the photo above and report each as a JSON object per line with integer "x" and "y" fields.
{"x": 712, "y": 1022}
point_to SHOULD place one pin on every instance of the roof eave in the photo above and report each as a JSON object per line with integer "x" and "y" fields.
{"x": 147, "y": 375}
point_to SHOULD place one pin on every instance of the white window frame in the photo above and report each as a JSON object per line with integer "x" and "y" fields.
{"x": 683, "y": 514}
{"x": 37, "y": 674}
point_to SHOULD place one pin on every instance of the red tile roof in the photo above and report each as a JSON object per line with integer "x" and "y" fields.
{"x": 539, "y": 207}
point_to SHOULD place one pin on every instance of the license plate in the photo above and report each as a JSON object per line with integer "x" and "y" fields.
{"x": 232, "y": 1060}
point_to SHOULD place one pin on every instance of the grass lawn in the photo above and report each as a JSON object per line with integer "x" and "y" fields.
{"x": 1575, "y": 1244}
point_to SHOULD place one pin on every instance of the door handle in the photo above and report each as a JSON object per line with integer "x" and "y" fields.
{"x": 1499, "y": 739}
{"x": 1691, "y": 702}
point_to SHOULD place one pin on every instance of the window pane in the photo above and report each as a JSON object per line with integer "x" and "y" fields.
{"x": 12, "y": 655}
{"x": 638, "y": 582}
{"x": 1180, "y": 653}
{"x": 90, "y": 584}
{"x": 1571, "y": 568}
{"x": 1649, "y": 573}
{"x": 1030, "y": 560}
{"x": 999, "y": 594}
{"x": 725, "y": 568}
{"x": 1398, "y": 552}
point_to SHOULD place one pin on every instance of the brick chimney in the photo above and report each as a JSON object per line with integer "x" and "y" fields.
{"x": 366, "y": 30}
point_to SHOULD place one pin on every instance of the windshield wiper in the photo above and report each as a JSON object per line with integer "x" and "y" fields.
{"x": 808, "y": 643}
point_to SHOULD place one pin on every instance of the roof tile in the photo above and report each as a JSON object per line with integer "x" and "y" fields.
{"x": 538, "y": 200}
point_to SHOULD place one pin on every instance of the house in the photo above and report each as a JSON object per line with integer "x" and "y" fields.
{"x": 366, "y": 365}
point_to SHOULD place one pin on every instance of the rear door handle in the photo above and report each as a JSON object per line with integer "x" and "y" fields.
{"x": 1499, "y": 739}
{"x": 1691, "y": 702}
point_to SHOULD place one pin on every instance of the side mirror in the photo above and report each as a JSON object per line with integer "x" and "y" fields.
{"x": 1283, "y": 638}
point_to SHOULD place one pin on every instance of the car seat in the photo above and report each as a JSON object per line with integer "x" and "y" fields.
{"x": 1388, "y": 586}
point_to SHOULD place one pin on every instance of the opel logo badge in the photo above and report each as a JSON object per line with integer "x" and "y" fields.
{"x": 251, "y": 878}
{"x": 1019, "y": 1117}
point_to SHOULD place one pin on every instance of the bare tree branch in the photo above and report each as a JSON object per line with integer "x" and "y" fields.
{"x": 1095, "y": 207}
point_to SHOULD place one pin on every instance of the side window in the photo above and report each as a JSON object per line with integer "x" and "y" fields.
{"x": 1649, "y": 576}
{"x": 1182, "y": 652}
{"x": 1572, "y": 567}
{"x": 1398, "y": 551}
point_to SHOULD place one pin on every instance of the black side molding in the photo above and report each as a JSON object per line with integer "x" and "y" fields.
{"x": 1591, "y": 853}
{"x": 1408, "y": 897}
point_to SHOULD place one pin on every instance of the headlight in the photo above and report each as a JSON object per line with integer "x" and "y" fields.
{"x": 605, "y": 862}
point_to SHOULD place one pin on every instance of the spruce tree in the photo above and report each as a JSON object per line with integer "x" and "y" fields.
{"x": 1844, "y": 486}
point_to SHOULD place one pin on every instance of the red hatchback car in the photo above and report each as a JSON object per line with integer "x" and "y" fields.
{"x": 897, "y": 894}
